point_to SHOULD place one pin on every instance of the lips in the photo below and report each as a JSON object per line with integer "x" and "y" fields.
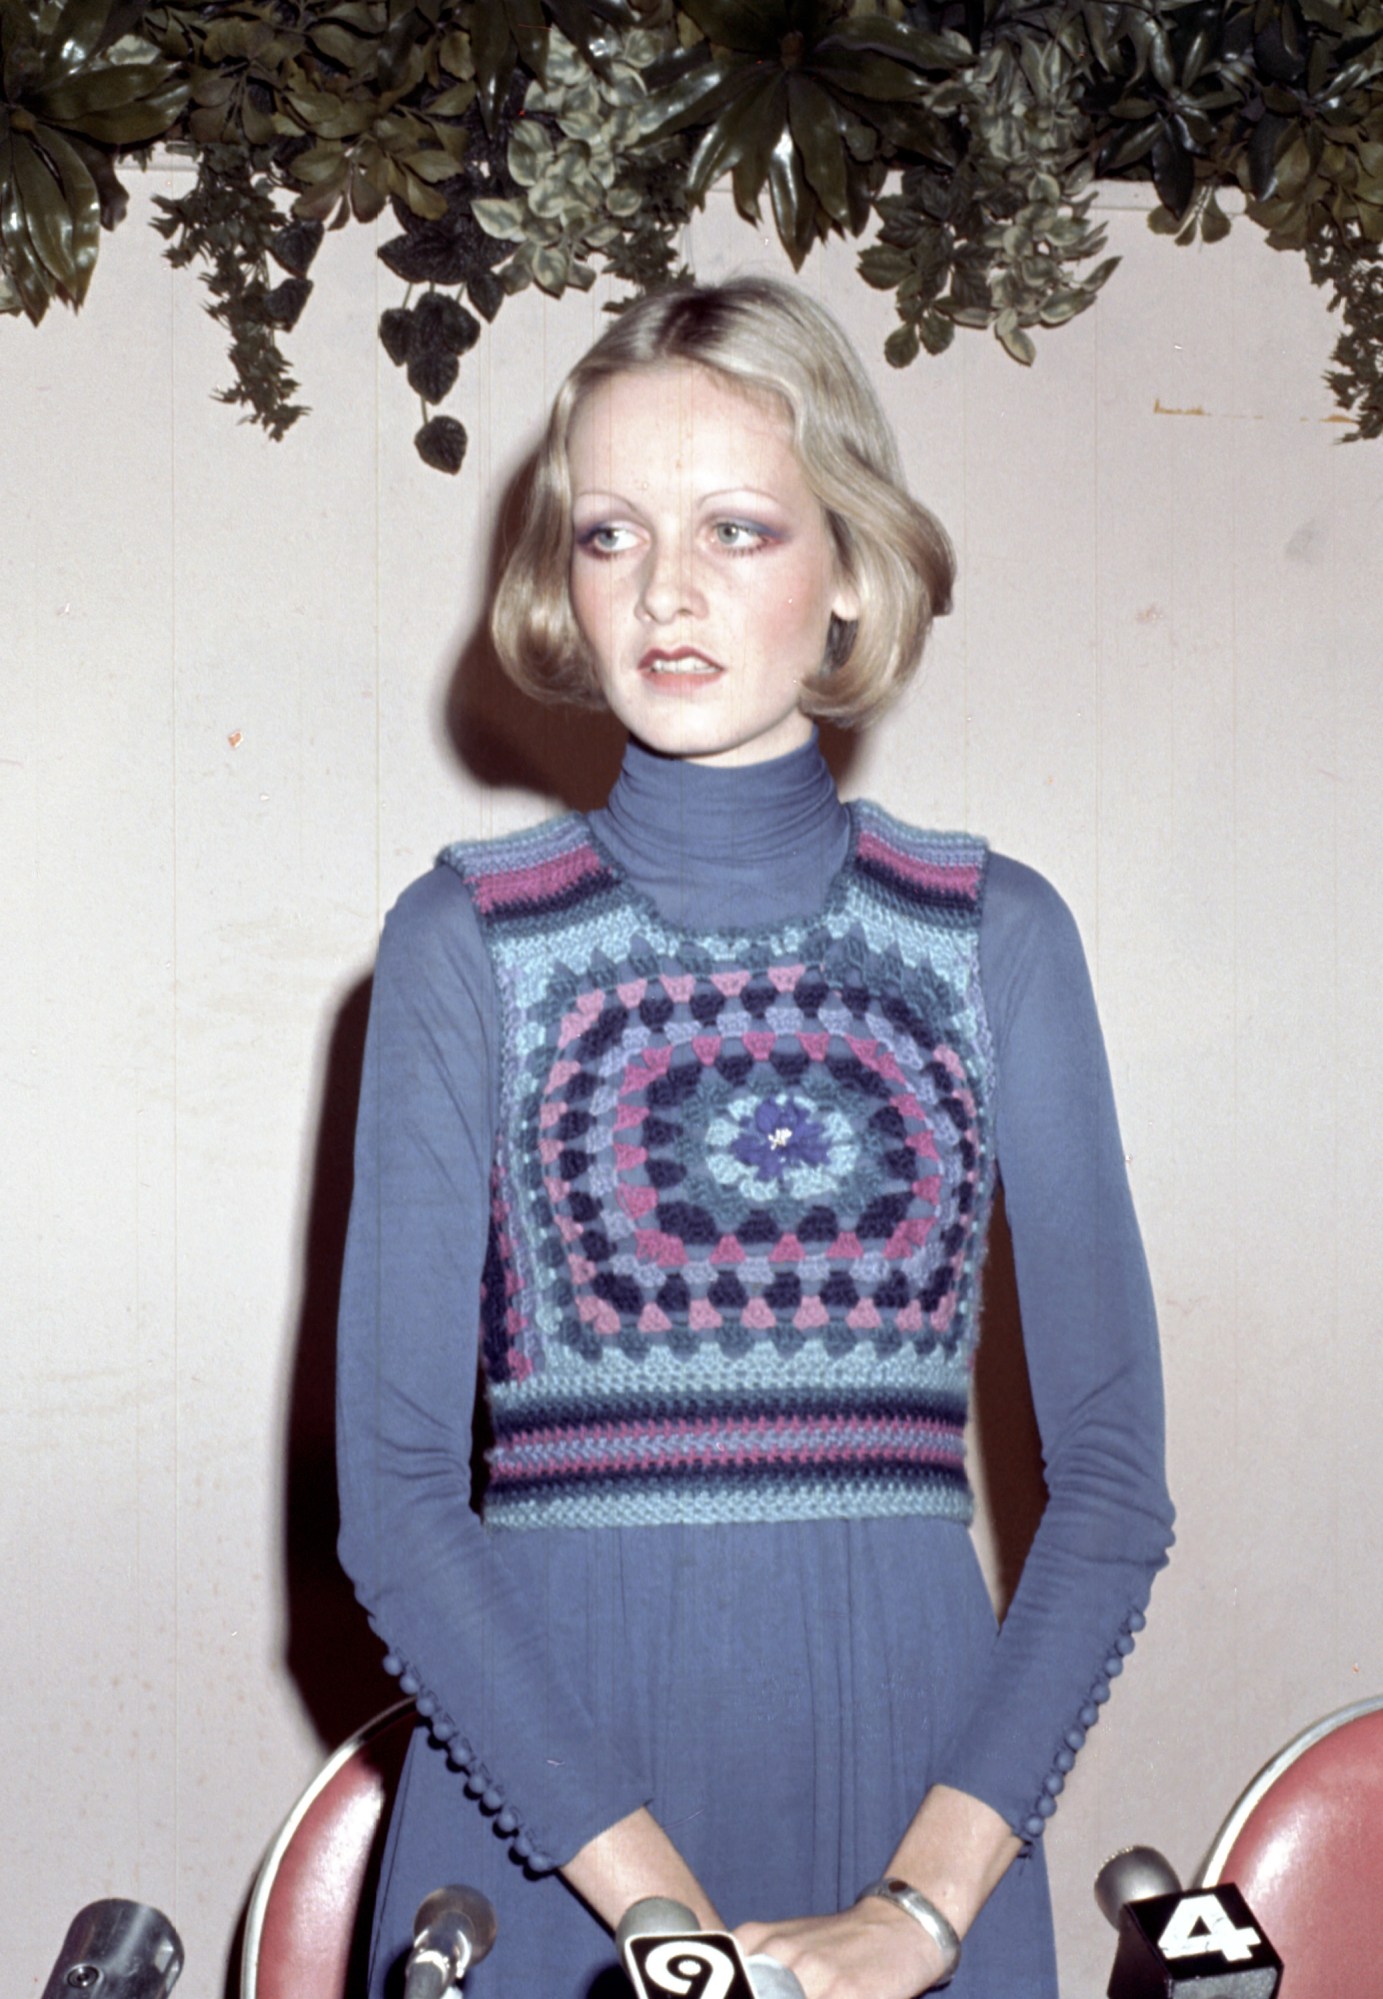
{"x": 679, "y": 663}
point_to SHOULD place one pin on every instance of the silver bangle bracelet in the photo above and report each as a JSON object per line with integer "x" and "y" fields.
{"x": 891, "y": 1889}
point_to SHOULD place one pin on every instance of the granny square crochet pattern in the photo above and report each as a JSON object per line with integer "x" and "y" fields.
{"x": 740, "y": 1192}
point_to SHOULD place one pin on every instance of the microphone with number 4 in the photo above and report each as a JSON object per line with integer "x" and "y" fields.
{"x": 668, "y": 1957}
{"x": 1204, "y": 1943}
{"x": 453, "y": 1929}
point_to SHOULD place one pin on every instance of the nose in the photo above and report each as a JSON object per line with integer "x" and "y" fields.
{"x": 668, "y": 586}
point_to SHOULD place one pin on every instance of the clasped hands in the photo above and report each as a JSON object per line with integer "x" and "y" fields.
{"x": 870, "y": 1951}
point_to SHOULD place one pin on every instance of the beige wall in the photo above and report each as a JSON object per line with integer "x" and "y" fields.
{"x": 229, "y": 735}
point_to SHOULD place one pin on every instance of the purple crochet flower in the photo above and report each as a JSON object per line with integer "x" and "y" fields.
{"x": 782, "y": 1135}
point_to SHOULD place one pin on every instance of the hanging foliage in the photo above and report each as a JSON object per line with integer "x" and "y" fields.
{"x": 543, "y": 142}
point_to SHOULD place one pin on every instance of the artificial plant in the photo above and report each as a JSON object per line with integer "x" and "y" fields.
{"x": 520, "y": 142}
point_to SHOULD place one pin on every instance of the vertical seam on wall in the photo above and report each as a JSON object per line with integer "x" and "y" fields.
{"x": 176, "y": 1021}
{"x": 1235, "y": 1102}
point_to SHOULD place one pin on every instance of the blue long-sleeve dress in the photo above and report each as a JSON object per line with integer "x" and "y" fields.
{"x": 781, "y": 1693}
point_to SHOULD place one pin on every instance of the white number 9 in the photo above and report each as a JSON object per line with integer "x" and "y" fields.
{"x": 675, "y": 1967}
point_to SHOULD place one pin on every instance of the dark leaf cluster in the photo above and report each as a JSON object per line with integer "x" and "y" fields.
{"x": 77, "y": 86}
{"x": 230, "y": 223}
{"x": 539, "y": 141}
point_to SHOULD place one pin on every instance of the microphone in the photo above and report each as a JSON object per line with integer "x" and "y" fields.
{"x": 453, "y": 1929}
{"x": 668, "y": 1956}
{"x": 117, "y": 1950}
{"x": 1202, "y": 1944}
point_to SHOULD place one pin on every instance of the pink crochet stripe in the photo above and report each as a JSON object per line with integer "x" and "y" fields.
{"x": 538, "y": 882}
{"x": 712, "y": 1444}
{"x": 954, "y": 878}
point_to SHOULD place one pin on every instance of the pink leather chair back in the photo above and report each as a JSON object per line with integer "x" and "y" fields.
{"x": 303, "y": 1932}
{"x": 1305, "y": 1846}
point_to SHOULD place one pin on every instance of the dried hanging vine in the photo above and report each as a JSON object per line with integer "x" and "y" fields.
{"x": 542, "y": 142}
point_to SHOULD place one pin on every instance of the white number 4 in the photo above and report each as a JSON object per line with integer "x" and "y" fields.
{"x": 1200, "y": 1927}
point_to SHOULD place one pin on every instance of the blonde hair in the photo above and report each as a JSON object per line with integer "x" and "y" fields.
{"x": 767, "y": 338}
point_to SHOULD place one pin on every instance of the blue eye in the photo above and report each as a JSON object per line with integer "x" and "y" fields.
{"x": 605, "y": 538}
{"x": 740, "y": 537}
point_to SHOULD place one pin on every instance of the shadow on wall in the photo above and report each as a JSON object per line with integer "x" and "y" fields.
{"x": 331, "y": 1652}
{"x": 1008, "y": 1471}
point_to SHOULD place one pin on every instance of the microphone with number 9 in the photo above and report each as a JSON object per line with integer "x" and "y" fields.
{"x": 1201, "y": 1944}
{"x": 668, "y": 1957}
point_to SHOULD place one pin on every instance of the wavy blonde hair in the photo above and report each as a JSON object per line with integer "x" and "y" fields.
{"x": 770, "y": 340}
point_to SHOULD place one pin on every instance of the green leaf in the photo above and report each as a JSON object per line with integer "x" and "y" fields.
{"x": 877, "y": 35}
{"x": 529, "y": 30}
{"x": 551, "y": 269}
{"x": 130, "y": 124}
{"x": 319, "y": 164}
{"x": 503, "y": 219}
{"x": 109, "y": 188}
{"x": 46, "y": 217}
{"x": 696, "y": 99}
{"x": 337, "y": 43}
{"x": 80, "y": 29}
{"x": 432, "y": 166}
{"x": 1060, "y": 306}
{"x": 441, "y": 443}
{"x": 495, "y": 55}
{"x": 901, "y": 346}
{"x": 1174, "y": 173}
{"x": 1136, "y": 143}
{"x": 812, "y": 121}
{"x": 884, "y": 267}
{"x": 762, "y": 129}
{"x": 83, "y": 204}
{"x": 794, "y": 206}
{"x": 751, "y": 122}
{"x": 27, "y": 274}
{"x": 109, "y": 88}
{"x": 874, "y": 77}
{"x": 936, "y": 332}
{"x": 1015, "y": 341}
{"x": 432, "y": 374}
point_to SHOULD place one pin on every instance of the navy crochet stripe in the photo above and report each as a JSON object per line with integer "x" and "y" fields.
{"x": 740, "y": 1192}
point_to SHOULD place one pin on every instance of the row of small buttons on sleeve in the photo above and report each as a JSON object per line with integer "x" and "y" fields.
{"x": 462, "y": 1757}
{"x": 1074, "y": 1738}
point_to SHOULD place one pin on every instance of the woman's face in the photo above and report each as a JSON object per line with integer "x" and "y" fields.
{"x": 703, "y": 571}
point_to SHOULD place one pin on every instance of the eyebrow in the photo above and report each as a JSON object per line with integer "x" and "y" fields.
{"x": 755, "y": 493}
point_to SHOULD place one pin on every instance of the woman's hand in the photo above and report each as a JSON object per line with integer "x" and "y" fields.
{"x": 871, "y": 1951}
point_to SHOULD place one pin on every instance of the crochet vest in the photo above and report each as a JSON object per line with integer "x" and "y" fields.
{"x": 740, "y": 1190}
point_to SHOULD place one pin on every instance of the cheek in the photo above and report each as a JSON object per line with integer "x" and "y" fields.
{"x": 588, "y": 589}
{"x": 810, "y": 594}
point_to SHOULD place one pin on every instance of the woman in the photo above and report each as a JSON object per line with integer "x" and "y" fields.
{"x": 688, "y": 1112}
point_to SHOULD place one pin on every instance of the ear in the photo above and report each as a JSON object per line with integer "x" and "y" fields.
{"x": 845, "y": 605}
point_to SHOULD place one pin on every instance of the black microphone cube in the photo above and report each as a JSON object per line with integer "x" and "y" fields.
{"x": 699, "y": 1964}
{"x": 1202, "y": 1944}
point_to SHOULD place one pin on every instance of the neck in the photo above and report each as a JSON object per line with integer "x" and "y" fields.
{"x": 756, "y": 842}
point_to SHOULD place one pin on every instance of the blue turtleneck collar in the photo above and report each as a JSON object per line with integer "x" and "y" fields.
{"x": 754, "y": 843}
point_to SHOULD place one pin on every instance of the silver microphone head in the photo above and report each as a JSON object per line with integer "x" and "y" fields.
{"x": 772, "y": 1980}
{"x": 463, "y": 1917}
{"x": 655, "y": 1916}
{"x": 1133, "y": 1875}
{"x": 127, "y": 1949}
